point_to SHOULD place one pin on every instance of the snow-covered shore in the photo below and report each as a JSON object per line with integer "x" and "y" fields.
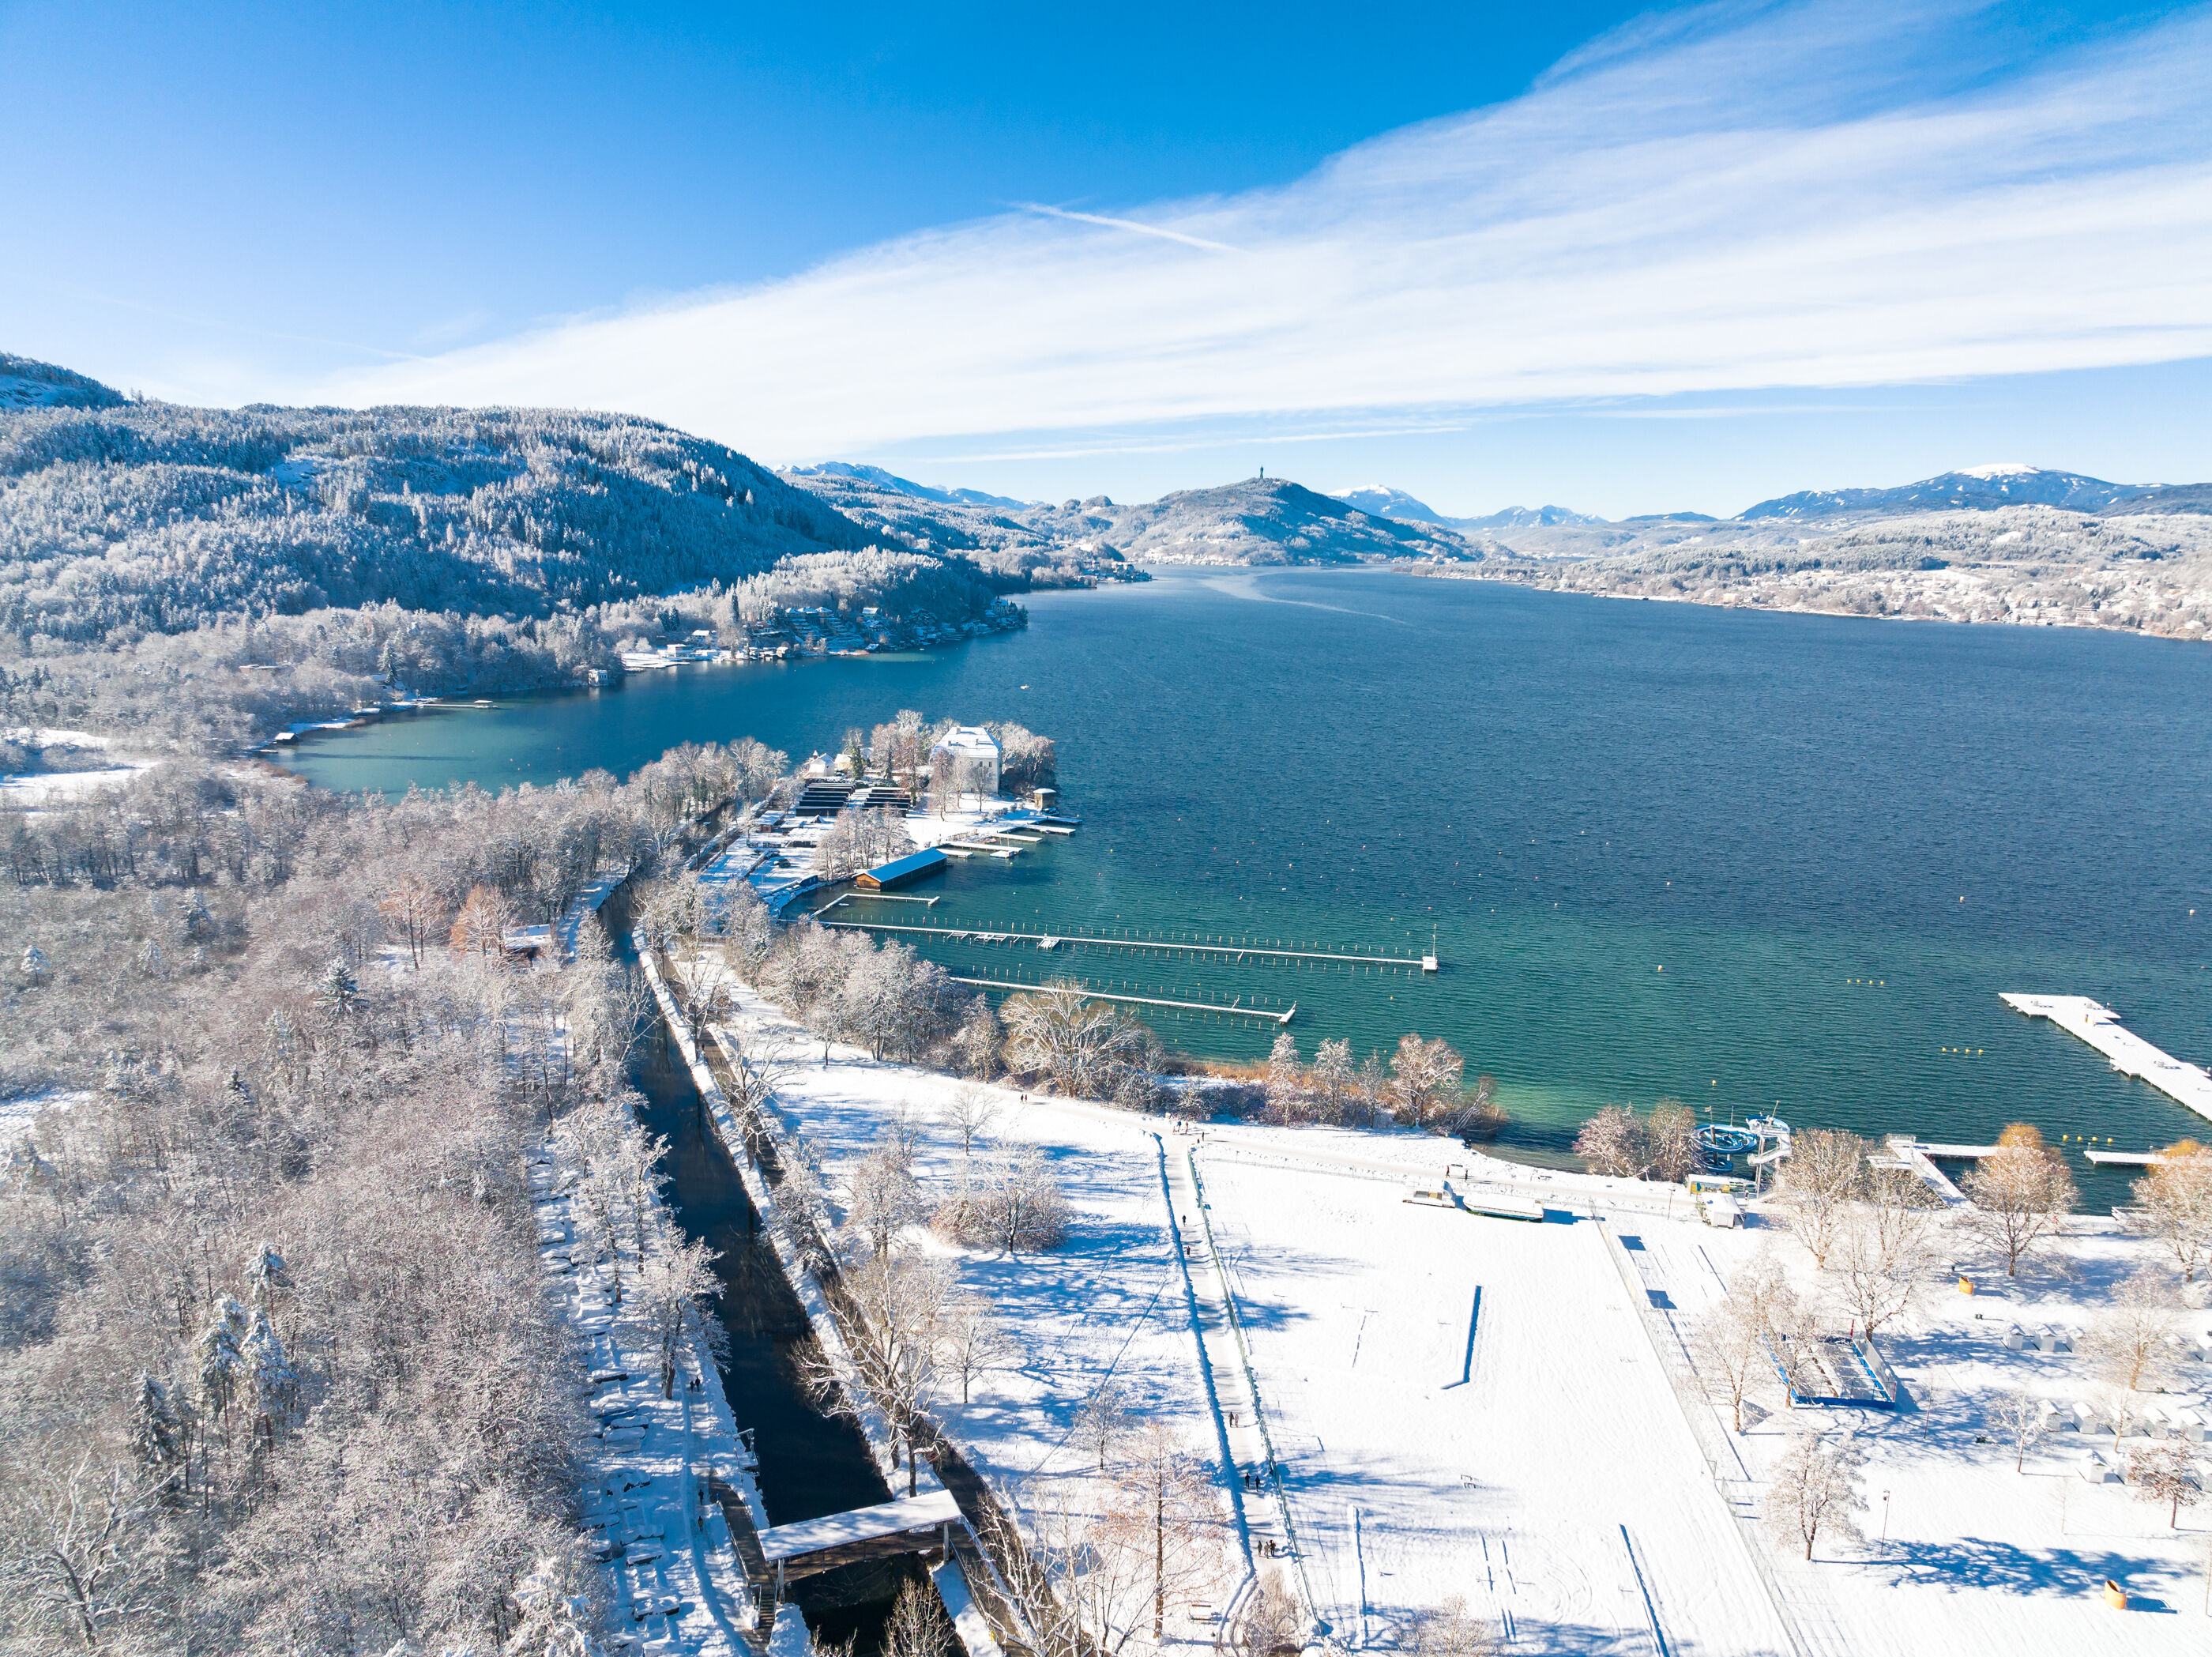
{"x": 1533, "y": 1450}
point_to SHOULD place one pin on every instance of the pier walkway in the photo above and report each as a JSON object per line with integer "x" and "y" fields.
{"x": 1231, "y": 952}
{"x": 2100, "y": 1026}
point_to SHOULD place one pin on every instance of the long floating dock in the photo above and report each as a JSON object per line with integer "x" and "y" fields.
{"x": 2100, "y": 1026}
{"x": 1057, "y": 940}
{"x": 1283, "y": 1017}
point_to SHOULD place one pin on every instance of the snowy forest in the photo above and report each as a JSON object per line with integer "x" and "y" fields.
{"x": 276, "y": 1370}
{"x": 192, "y": 577}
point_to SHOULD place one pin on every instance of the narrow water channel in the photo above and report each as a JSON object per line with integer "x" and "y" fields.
{"x": 809, "y": 1464}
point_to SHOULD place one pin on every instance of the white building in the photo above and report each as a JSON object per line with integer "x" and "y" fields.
{"x": 968, "y": 757}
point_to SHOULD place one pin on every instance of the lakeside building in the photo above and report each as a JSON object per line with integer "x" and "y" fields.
{"x": 900, "y": 870}
{"x": 968, "y": 755}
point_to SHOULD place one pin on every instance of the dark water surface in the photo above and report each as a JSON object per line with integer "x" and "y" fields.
{"x": 1749, "y": 860}
{"x": 810, "y": 1464}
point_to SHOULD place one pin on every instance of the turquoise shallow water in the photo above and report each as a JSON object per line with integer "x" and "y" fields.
{"x": 1572, "y": 794}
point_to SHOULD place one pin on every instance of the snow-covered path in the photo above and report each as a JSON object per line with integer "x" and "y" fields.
{"x": 1470, "y": 1406}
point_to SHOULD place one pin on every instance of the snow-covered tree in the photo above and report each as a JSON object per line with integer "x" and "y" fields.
{"x": 2019, "y": 1417}
{"x": 1284, "y": 1080}
{"x": 884, "y": 1201}
{"x": 35, "y": 965}
{"x": 1101, "y": 1420}
{"x": 972, "y": 1111}
{"x": 2174, "y": 1203}
{"x": 337, "y": 992}
{"x": 1813, "y": 1490}
{"x": 2171, "y": 1471}
{"x": 1883, "y": 1250}
{"x": 674, "y": 1282}
{"x": 1452, "y": 1631}
{"x": 974, "y": 1344}
{"x": 1823, "y": 1178}
{"x": 271, "y": 1383}
{"x": 223, "y": 1359}
{"x": 1611, "y": 1142}
{"x": 2021, "y": 1194}
{"x": 1165, "y": 1513}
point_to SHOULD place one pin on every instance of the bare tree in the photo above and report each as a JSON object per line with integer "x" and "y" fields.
{"x": 917, "y": 1626}
{"x": 1612, "y": 1143}
{"x": 2127, "y": 1344}
{"x": 1734, "y": 1344}
{"x": 2170, "y": 1470}
{"x": 1273, "y": 1625}
{"x": 1011, "y": 1202}
{"x": 1824, "y": 1176}
{"x": 1813, "y": 1489}
{"x": 414, "y": 910}
{"x": 1083, "y": 1046}
{"x": 1670, "y": 1141}
{"x": 886, "y": 1200}
{"x": 2020, "y": 1418}
{"x": 1452, "y": 1631}
{"x": 2021, "y": 1194}
{"x": 1426, "y": 1078}
{"x": 898, "y": 1346}
{"x": 2174, "y": 1200}
{"x": 1285, "y": 1080}
{"x": 1165, "y": 1513}
{"x": 974, "y": 1343}
{"x": 1728, "y": 1345}
{"x": 481, "y": 927}
{"x": 72, "y": 1546}
{"x": 973, "y": 1112}
{"x": 674, "y": 1282}
{"x": 1102, "y": 1418}
{"x": 1334, "y": 1079}
{"x": 1882, "y": 1254}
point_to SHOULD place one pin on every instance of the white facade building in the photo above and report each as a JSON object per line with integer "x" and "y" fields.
{"x": 968, "y": 757}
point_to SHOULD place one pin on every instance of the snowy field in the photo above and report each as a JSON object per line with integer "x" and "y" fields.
{"x": 1526, "y": 1449}
{"x": 1470, "y": 1406}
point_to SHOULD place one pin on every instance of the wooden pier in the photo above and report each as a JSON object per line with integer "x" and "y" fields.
{"x": 2130, "y": 1054}
{"x": 1283, "y": 1017}
{"x": 1229, "y": 952}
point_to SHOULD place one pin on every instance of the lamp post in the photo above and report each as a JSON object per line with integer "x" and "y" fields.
{"x": 1884, "y": 1515}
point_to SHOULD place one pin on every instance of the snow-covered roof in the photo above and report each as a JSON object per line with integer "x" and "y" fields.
{"x": 969, "y": 739}
{"x": 917, "y": 1513}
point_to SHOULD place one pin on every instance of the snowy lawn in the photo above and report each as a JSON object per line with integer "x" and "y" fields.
{"x": 1470, "y": 1406}
{"x": 1530, "y": 1454}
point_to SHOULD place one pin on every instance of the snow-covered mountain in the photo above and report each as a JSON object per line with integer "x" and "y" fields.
{"x": 1382, "y": 501}
{"x": 1254, "y": 520}
{"x": 26, "y": 383}
{"x": 880, "y": 479}
{"x": 1972, "y": 489}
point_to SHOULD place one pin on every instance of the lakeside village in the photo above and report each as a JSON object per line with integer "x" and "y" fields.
{"x": 1306, "y": 1374}
{"x": 820, "y": 631}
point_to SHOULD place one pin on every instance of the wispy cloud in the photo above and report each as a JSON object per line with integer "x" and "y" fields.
{"x": 1748, "y": 196}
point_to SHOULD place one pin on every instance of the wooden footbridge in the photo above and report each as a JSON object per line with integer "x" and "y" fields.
{"x": 922, "y": 1524}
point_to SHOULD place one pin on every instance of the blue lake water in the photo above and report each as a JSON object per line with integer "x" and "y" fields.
{"x": 1749, "y": 860}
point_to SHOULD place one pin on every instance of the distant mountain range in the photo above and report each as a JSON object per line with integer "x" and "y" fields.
{"x": 1383, "y": 501}
{"x": 880, "y": 479}
{"x": 1254, "y": 520}
{"x": 1975, "y": 489}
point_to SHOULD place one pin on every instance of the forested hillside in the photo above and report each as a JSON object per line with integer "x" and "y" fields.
{"x": 145, "y": 517}
{"x": 191, "y": 579}
{"x": 276, "y": 1372}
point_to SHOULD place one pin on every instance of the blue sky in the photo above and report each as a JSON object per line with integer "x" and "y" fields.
{"x": 1623, "y": 258}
